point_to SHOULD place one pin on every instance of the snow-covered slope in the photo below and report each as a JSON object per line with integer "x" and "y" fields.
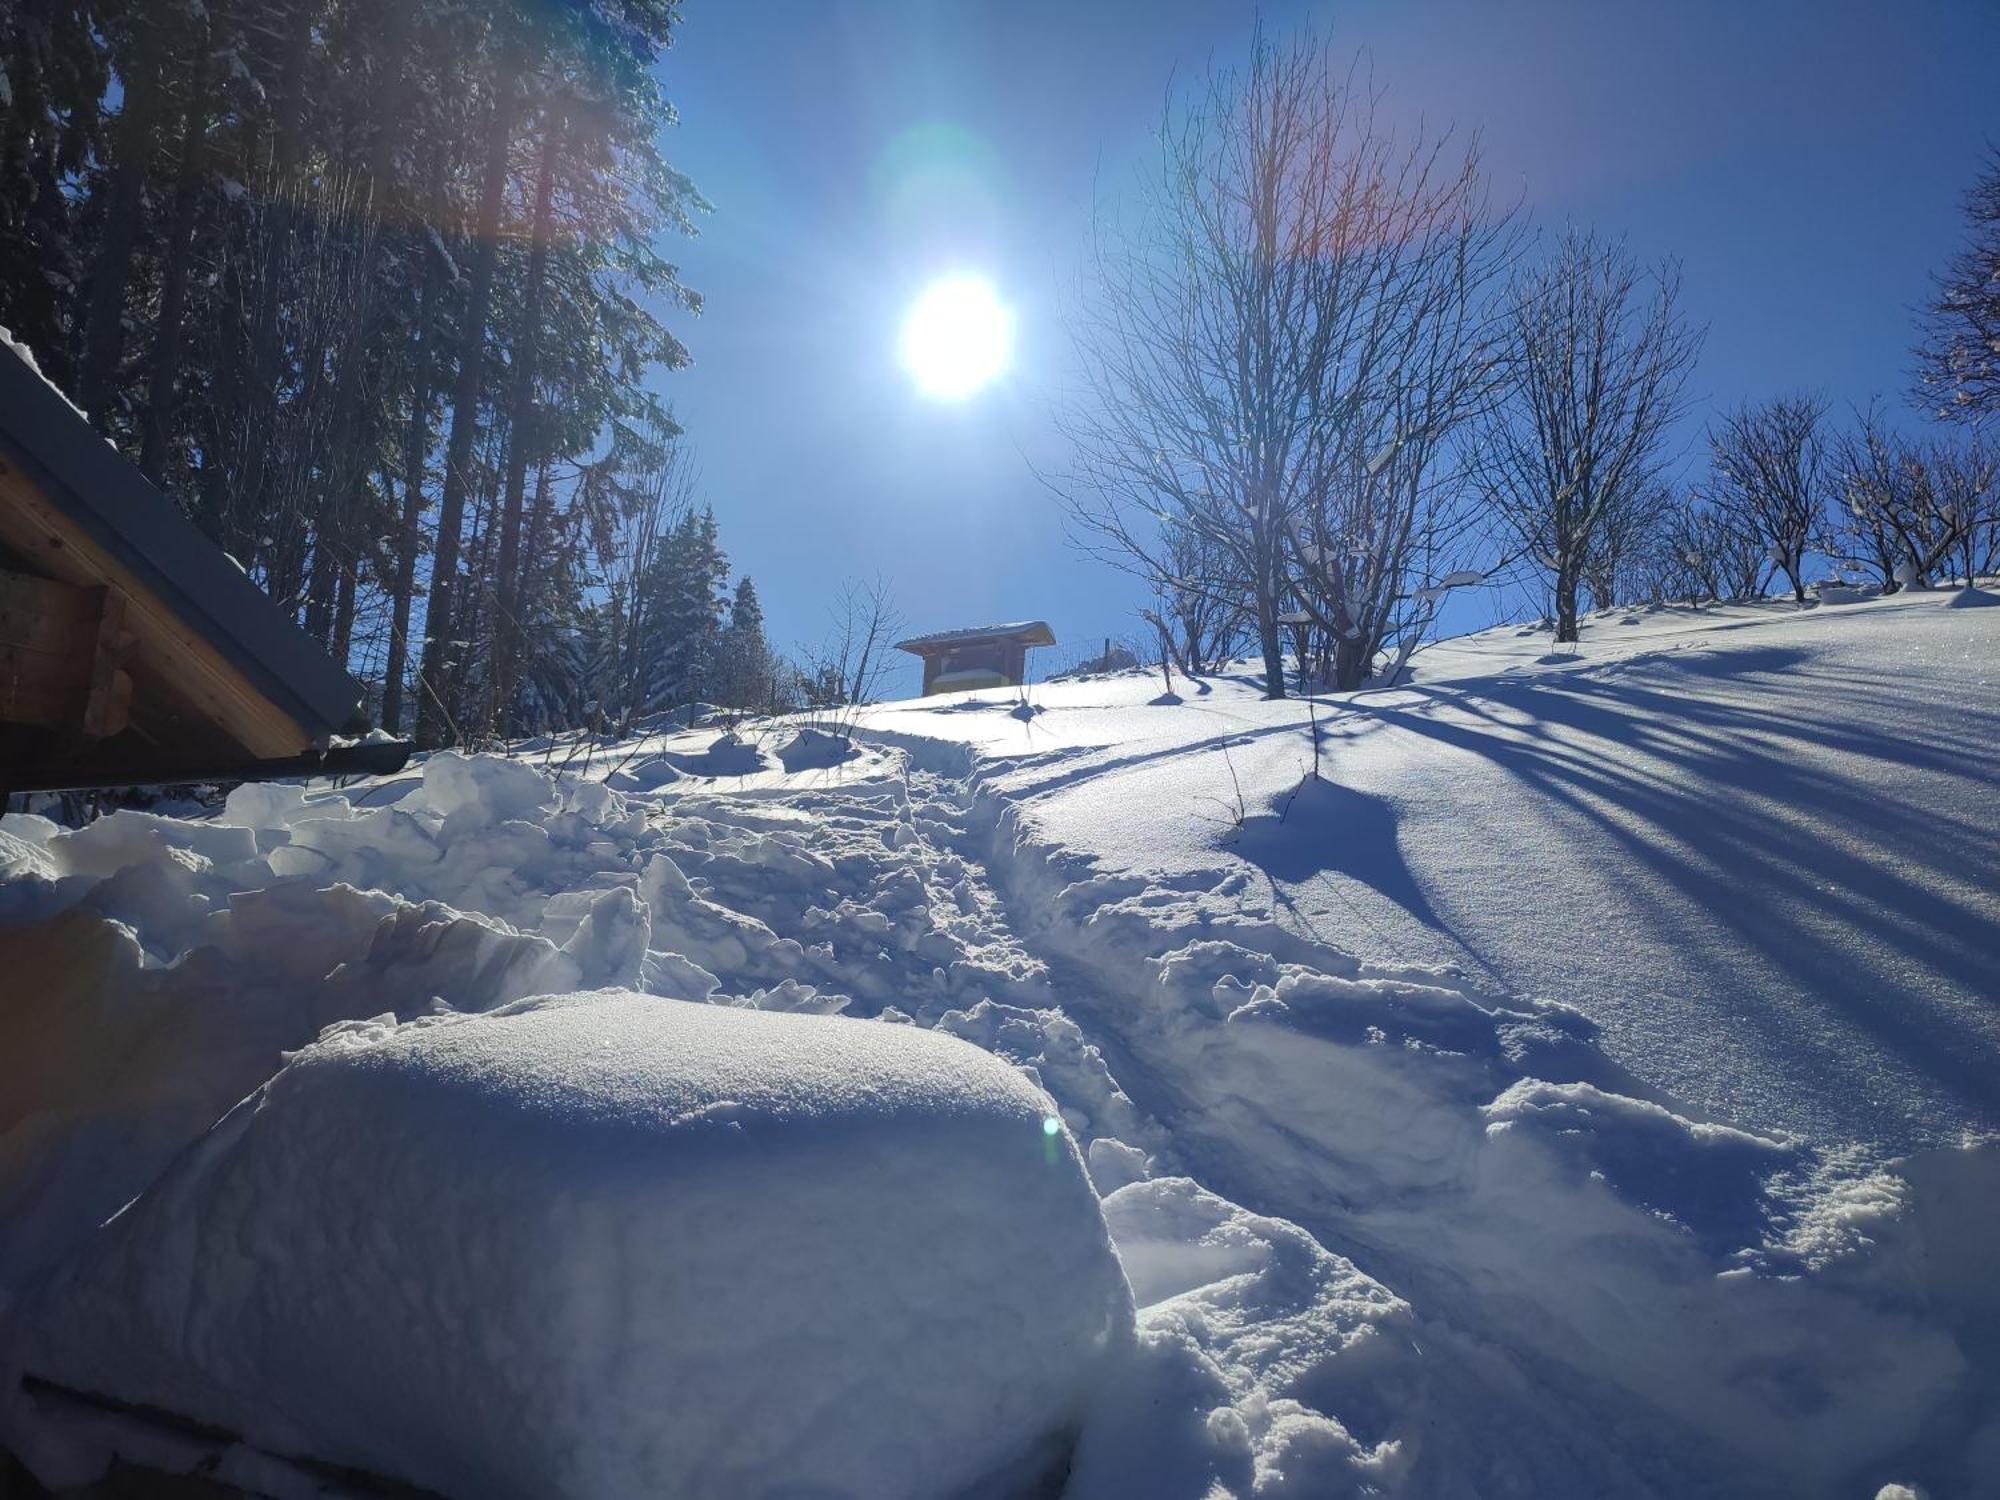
{"x": 1755, "y": 844}
{"x": 1564, "y": 1095}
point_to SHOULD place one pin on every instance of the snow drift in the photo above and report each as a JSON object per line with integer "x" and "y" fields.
{"x": 610, "y": 1245}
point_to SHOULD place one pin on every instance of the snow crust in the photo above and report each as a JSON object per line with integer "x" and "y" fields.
{"x": 1713, "y": 1218}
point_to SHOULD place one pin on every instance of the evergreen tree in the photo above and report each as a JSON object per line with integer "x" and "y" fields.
{"x": 684, "y": 600}
{"x": 357, "y": 282}
{"x": 744, "y": 674}
{"x": 54, "y": 71}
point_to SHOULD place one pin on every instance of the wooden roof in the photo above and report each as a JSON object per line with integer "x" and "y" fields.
{"x": 131, "y": 648}
{"x": 1027, "y": 632}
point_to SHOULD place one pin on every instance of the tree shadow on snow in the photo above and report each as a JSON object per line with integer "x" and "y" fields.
{"x": 1320, "y": 827}
{"x": 1824, "y": 873}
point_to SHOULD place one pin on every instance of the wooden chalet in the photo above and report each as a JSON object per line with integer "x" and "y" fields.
{"x": 984, "y": 657}
{"x": 132, "y": 650}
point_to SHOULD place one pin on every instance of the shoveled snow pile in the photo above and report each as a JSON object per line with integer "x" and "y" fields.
{"x": 611, "y": 1245}
{"x": 1714, "y": 1219}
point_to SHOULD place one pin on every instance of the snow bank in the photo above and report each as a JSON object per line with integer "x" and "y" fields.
{"x": 610, "y": 1245}
{"x": 159, "y": 967}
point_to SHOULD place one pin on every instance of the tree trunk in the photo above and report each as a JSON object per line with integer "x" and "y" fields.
{"x": 471, "y": 620}
{"x": 1350, "y": 663}
{"x": 416, "y": 446}
{"x": 291, "y": 557}
{"x": 1566, "y": 601}
{"x": 322, "y": 579}
{"x": 439, "y": 621}
{"x": 415, "y": 443}
{"x": 343, "y": 609}
{"x": 536, "y": 530}
{"x": 524, "y": 434}
{"x": 1271, "y": 640}
{"x": 346, "y": 451}
{"x": 259, "y": 428}
{"x": 162, "y": 381}
{"x": 111, "y": 268}
{"x": 219, "y": 451}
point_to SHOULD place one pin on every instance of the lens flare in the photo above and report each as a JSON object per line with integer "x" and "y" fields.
{"x": 957, "y": 338}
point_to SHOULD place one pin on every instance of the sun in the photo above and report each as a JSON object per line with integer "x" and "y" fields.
{"x": 957, "y": 337}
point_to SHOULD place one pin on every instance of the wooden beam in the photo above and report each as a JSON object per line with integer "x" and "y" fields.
{"x": 171, "y": 649}
{"x": 40, "y": 614}
{"x": 107, "y": 706}
{"x": 63, "y": 653}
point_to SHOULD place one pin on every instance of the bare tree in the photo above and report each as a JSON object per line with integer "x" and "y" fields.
{"x": 1597, "y": 357}
{"x": 1700, "y": 552}
{"x": 1767, "y": 473}
{"x": 1392, "y": 516}
{"x": 1665, "y": 567}
{"x": 1614, "y": 563}
{"x": 1289, "y": 298}
{"x": 1958, "y": 376}
{"x": 1966, "y": 484}
{"x": 1198, "y": 612}
{"x": 850, "y": 666}
{"x": 1907, "y": 507}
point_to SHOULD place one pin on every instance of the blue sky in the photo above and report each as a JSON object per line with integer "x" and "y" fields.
{"x": 1802, "y": 161}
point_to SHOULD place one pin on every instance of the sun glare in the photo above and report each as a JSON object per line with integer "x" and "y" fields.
{"x": 957, "y": 337}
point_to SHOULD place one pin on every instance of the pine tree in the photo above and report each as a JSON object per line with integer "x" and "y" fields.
{"x": 744, "y": 668}
{"x": 684, "y": 604}
{"x": 54, "y": 71}
{"x": 358, "y": 282}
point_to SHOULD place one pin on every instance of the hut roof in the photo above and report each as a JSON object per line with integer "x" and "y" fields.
{"x": 1028, "y": 632}
{"x": 206, "y": 676}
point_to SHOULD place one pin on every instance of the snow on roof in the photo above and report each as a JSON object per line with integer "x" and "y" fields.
{"x": 615, "y": 1245}
{"x": 1032, "y": 632}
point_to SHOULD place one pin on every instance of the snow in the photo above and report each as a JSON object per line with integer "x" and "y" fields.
{"x": 26, "y": 355}
{"x": 1583, "y": 1085}
{"x": 664, "y": 1248}
{"x": 1747, "y": 841}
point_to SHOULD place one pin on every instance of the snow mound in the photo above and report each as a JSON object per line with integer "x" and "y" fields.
{"x": 726, "y": 755}
{"x": 608, "y": 1245}
{"x": 1972, "y": 599}
{"x": 812, "y": 749}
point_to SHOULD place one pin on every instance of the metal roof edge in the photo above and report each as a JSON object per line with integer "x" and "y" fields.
{"x": 104, "y": 493}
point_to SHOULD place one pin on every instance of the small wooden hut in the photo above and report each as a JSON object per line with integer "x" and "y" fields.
{"x": 132, "y": 650}
{"x": 984, "y": 657}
